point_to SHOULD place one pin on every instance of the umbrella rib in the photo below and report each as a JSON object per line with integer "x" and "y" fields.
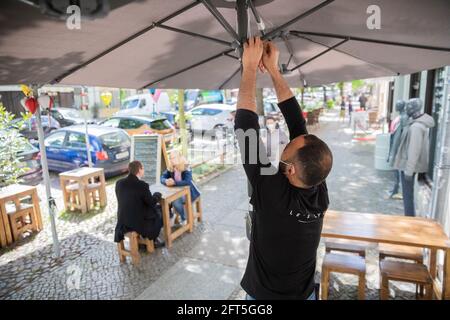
{"x": 319, "y": 55}
{"x": 229, "y": 78}
{"x": 193, "y": 34}
{"x": 350, "y": 55}
{"x": 393, "y": 43}
{"x": 294, "y": 20}
{"x": 125, "y": 41}
{"x": 219, "y": 17}
{"x": 188, "y": 68}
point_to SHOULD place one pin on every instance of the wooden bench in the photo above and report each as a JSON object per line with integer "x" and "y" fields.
{"x": 341, "y": 263}
{"x": 346, "y": 246}
{"x": 134, "y": 240}
{"x": 405, "y": 272}
{"x": 400, "y": 252}
{"x": 22, "y": 218}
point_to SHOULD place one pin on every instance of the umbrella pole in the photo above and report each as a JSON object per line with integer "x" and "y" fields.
{"x": 50, "y": 200}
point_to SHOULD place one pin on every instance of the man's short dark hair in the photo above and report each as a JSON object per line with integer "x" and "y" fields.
{"x": 134, "y": 167}
{"x": 315, "y": 160}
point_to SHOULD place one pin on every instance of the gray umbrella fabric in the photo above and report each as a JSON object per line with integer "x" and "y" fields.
{"x": 179, "y": 44}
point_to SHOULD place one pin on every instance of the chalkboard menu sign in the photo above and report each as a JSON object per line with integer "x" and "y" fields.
{"x": 147, "y": 149}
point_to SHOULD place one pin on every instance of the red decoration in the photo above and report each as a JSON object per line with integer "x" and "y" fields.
{"x": 31, "y": 104}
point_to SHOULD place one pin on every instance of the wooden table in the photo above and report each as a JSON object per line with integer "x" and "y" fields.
{"x": 14, "y": 193}
{"x": 401, "y": 230}
{"x": 82, "y": 177}
{"x": 170, "y": 194}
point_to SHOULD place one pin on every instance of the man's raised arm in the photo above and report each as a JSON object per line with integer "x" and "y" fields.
{"x": 286, "y": 100}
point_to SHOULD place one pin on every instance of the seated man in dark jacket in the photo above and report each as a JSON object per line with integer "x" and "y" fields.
{"x": 137, "y": 209}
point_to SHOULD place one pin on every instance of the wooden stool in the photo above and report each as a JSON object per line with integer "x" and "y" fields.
{"x": 400, "y": 252}
{"x": 93, "y": 194}
{"x": 22, "y": 219}
{"x": 406, "y": 272}
{"x": 73, "y": 191}
{"x": 135, "y": 239}
{"x": 346, "y": 246}
{"x": 197, "y": 208}
{"x": 342, "y": 263}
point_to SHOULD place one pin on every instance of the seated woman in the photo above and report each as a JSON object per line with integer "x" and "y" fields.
{"x": 178, "y": 174}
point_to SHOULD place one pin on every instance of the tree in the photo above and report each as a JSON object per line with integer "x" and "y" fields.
{"x": 357, "y": 84}
{"x": 11, "y": 144}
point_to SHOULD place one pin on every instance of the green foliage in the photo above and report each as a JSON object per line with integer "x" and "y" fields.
{"x": 357, "y": 84}
{"x": 330, "y": 104}
{"x": 11, "y": 144}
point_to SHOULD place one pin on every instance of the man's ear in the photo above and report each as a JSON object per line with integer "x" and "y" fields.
{"x": 291, "y": 170}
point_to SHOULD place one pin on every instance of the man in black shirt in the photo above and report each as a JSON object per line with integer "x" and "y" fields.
{"x": 289, "y": 203}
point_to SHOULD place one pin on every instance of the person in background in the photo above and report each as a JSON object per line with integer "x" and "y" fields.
{"x": 137, "y": 209}
{"x": 179, "y": 174}
{"x": 363, "y": 102}
{"x": 350, "y": 109}
{"x": 342, "y": 112}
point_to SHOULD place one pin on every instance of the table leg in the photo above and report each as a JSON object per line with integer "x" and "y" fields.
{"x": 6, "y": 225}
{"x": 433, "y": 266}
{"x": 102, "y": 191}
{"x": 37, "y": 209}
{"x": 62, "y": 182}
{"x": 166, "y": 223}
{"x": 2, "y": 230}
{"x": 446, "y": 278}
{"x": 190, "y": 216}
{"x": 82, "y": 195}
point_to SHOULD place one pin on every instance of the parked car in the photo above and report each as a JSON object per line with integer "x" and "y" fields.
{"x": 271, "y": 110}
{"x": 142, "y": 125}
{"x": 30, "y": 158}
{"x": 68, "y": 116}
{"x": 210, "y": 117}
{"x": 144, "y": 104}
{"x": 110, "y": 149}
{"x": 29, "y": 130}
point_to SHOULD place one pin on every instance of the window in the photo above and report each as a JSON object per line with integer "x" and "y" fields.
{"x": 197, "y": 112}
{"x": 115, "y": 139}
{"x": 130, "y": 124}
{"x": 56, "y": 139}
{"x": 76, "y": 140}
{"x": 130, "y": 104}
{"x": 112, "y": 123}
{"x": 56, "y": 115}
{"x": 211, "y": 112}
{"x": 142, "y": 103}
{"x": 160, "y": 124}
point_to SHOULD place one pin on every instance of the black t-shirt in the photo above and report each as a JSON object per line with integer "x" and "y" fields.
{"x": 288, "y": 220}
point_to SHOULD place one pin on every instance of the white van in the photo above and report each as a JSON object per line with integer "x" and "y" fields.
{"x": 144, "y": 104}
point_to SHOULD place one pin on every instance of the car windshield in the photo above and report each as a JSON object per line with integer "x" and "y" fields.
{"x": 70, "y": 113}
{"x": 161, "y": 124}
{"x": 115, "y": 139}
{"x": 130, "y": 104}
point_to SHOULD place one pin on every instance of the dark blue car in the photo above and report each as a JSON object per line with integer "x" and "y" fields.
{"x": 110, "y": 149}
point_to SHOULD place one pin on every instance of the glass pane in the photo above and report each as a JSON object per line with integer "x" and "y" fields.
{"x": 55, "y": 140}
{"x": 116, "y": 139}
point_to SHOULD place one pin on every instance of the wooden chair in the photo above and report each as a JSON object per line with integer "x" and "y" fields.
{"x": 22, "y": 218}
{"x": 346, "y": 246}
{"x": 405, "y": 272}
{"x": 134, "y": 240}
{"x": 343, "y": 263}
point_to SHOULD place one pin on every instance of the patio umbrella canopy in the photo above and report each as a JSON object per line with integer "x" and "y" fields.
{"x": 193, "y": 44}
